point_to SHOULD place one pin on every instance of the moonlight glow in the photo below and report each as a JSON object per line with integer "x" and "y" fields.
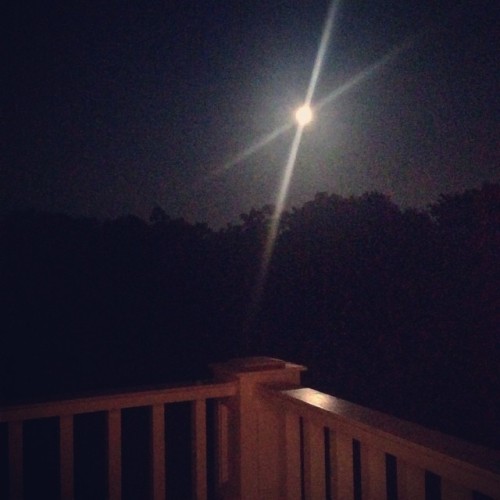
{"x": 304, "y": 115}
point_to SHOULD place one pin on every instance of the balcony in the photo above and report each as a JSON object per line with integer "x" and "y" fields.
{"x": 255, "y": 433}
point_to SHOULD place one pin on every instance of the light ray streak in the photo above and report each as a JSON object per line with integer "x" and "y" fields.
{"x": 256, "y": 146}
{"x": 273, "y": 230}
{"x": 320, "y": 56}
{"x": 367, "y": 72}
{"x": 278, "y": 210}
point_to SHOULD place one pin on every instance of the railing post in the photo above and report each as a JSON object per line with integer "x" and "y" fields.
{"x": 255, "y": 431}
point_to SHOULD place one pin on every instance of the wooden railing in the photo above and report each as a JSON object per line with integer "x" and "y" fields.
{"x": 272, "y": 440}
{"x": 347, "y": 451}
{"x": 113, "y": 405}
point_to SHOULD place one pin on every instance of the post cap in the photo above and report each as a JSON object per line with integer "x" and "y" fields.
{"x": 255, "y": 364}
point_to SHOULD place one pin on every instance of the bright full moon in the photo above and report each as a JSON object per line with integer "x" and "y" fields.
{"x": 304, "y": 115}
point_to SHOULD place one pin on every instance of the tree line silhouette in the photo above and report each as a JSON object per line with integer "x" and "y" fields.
{"x": 394, "y": 309}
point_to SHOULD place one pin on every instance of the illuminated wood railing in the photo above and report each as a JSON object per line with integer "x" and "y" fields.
{"x": 156, "y": 400}
{"x": 296, "y": 443}
{"x": 273, "y": 440}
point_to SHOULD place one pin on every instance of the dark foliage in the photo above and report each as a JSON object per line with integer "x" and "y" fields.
{"x": 397, "y": 310}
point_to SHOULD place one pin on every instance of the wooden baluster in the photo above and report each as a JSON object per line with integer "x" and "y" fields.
{"x": 199, "y": 448}
{"x": 292, "y": 454}
{"x": 221, "y": 445}
{"x": 158, "y": 452}
{"x": 454, "y": 491}
{"x": 341, "y": 459}
{"x": 114, "y": 454}
{"x": 16, "y": 460}
{"x": 66, "y": 456}
{"x": 411, "y": 481}
{"x": 314, "y": 460}
{"x": 373, "y": 473}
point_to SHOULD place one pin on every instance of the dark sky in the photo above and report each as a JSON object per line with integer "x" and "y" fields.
{"x": 112, "y": 107}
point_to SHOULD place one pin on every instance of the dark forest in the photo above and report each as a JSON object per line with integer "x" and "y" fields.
{"x": 394, "y": 309}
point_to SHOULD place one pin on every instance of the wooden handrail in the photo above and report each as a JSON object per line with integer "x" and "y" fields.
{"x": 108, "y": 402}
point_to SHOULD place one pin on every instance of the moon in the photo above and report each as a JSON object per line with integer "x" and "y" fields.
{"x": 304, "y": 115}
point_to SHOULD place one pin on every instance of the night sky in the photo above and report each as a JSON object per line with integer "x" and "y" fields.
{"x": 113, "y": 107}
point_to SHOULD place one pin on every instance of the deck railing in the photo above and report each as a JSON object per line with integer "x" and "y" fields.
{"x": 156, "y": 401}
{"x": 273, "y": 440}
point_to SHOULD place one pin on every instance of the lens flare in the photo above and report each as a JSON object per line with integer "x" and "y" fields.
{"x": 328, "y": 99}
{"x": 303, "y": 116}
